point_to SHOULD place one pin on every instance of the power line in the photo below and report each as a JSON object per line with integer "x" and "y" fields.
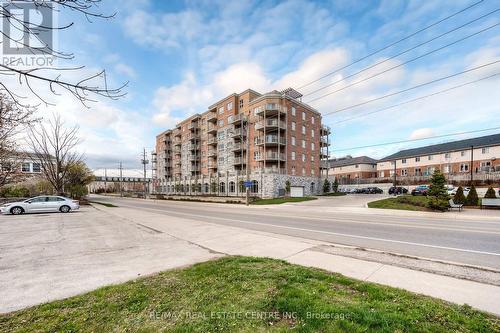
{"x": 420, "y": 139}
{"x": 416, "y": 99}
{"x": 411, "y": 88}
{"x": 403, "y": 52}
{"x": 404, "y": 63}
{"x": 392, "y": 44}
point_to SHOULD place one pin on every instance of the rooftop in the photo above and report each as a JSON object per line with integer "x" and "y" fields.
{"x": 483, "y": 141}
{"x": 349, "y": 160}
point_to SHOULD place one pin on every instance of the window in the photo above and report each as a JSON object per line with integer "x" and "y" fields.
{"x": 404, "y": 172}
{"x": 462, "y": 153}
{"x": 220, "y": 147}
{"x": 221, "y": 135}
{"x": 293, "y": 110}
{"x": 485, "y": 150}
{"x": 303, "y": 171}
{"x": 293, "y": 141}
{"x": 464, "y": 167}
{"x": 230, "y": 119}
{"x": 221, "y": 160}
{"x": 293, "y": 156}
{"x": 303, "y": 143}
{"x": 312, "y": 120}
{"x": 312, "y": 187}
{"x": 221, "y": 122}
{"x": 446, "y": 169}
{"x": 25, "y": 167}
{"x": 293, "y": 170}
{"x": 418, "y": 172}
{"x": 256, "y": 155}
{"x": 230, "y": 106}
{"x": 303, "y": 157}
{"x": 222, "y": 187}
{"x": 303, "y": 129}
{"x": 221, "y": 110}
{"x": 429, "y": 157}
{"x": 312, "y": 132}
{"x": 417, "y": 159}
{"x": 312, "y": 146}
{"x": 303, "y": 115}
{"x": 447, "y": 155}
{"x": 312, "y": 158}
{"x": 255, "y": 187}
{"x": 293, "y": 125}
{"x": 356, "y": 166}
{"x": 241, "y": 103}
{"x": 232, "y": 187}
{"x": 37, "y": 167}
{"x": 312, "y": 172}
{"x": 403, "y": 161}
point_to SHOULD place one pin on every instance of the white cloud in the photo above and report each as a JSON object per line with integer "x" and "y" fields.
{"x": 422, "y": 133}
{"x": 125, "y": 69}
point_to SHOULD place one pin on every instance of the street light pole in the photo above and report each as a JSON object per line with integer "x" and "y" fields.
{"x": 248, "y": 163}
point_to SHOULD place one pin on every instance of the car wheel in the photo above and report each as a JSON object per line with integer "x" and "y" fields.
{"x": 16, "y": 210}
{"x": 65, "y": 209}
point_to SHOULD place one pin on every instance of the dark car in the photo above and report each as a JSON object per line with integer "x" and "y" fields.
{"x": 420, "y": 190}
{"x": 373, "y": 190}
{"x": 359, "y": 190}
{"x": 398, "y": 190}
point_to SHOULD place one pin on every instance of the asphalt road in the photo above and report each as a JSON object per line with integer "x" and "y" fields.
{"x": 470, "y": 241}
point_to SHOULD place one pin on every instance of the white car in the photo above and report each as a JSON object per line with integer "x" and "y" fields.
{"x": 41, "y": 204}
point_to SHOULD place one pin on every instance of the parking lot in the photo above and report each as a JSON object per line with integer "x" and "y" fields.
{"x": 53, "y": 255}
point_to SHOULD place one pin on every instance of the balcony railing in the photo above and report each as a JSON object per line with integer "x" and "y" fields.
{"x": 193, "y": 125}
{"x": 211, "y": 128}
{"x": 211, "y": 152}
{"x": 238, "y": 132}
{"x": 273, "y": 123}
{"x": 240, "y": 160}
{"x": 212, "y": 141}
{"x": 270, "y": 139}
{"x": 239, "y": 146}
{"x": 194, "y": 146}
{"x": 281, "y": 171}
{"x": 271, "y": 108}
{"x": 271, "y": 156}
{"x": 212, "y": 165}
{"x": 238, "y": 118}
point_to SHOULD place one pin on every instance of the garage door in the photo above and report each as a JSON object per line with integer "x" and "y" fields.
{"x": 296, "y": 191}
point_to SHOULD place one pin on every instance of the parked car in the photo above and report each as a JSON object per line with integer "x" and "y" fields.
{"x": 398, "y": 190}
{"x": 420, "y": 190}
{"x": 359, "y": 190}
{"x": 41, "y": 204}
{"x": 451, "y": 190}
{"x": 373, "y": 190}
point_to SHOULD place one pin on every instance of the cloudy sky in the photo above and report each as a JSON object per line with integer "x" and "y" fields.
{"x": 180, "y": 56}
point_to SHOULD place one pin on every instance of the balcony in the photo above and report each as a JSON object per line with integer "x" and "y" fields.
{"x": 212, "y": 116}
{"x": 270, "y": 123}
{"x": 281, "y": 171}
{"x": 238, "y": 146}
{"x": 237, "y": 119}
{"x": 194, "y": 158}
{"x": 212, "y": 153}
{"x": 212, "y": 165}
{"x": 238, "y": 133}
{"x": 177, "y": 150}
{"x": 270, "y": 140}
{"x": 270, "y": 109}
{"x": 240, "y": 160}
{"x": 325, "y": 130}
{"x": 212, "y": 141}
{"x": 212, "y": 128}
{"x": 193, "y": 136}
{"x": 324, "y": 142}
{"x": 271, "y": 156}
{"x": 194, "y": 146}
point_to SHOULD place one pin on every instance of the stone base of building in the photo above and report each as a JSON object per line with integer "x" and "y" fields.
{"x": 263, "y": 185}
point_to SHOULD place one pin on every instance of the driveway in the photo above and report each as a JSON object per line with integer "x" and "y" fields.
{"x": 51, "y": 256}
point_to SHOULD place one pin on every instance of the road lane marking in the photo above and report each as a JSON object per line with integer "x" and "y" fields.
{"x": 332, "y": 233}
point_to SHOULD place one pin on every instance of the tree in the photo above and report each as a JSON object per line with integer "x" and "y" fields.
{"x": 438, "y": 197}
{"x": 54, "y": 147}
{"x": 335, "y": 185}
{"x": 472, "y": 198}
{"x": 326, "y": 186}
{"x": 459, "y": 197}
{"x": 490, "y": 193}
{"x": 72, "y": 80}
{"x": 437, "y": 188}
{"x": 78, "y": 176}
{"x": 13, "y": 120}
{"x": 287, "y": 186}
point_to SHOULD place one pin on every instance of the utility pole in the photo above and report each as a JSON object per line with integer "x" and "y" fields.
{"x": 395, "y": 192}
{"x": 144, "y": 162}
{"x": 248, "y": 163}
{"x": 105, "y": 177}
{"x": 121, "y": 179}
{"x": 471, "y": 164}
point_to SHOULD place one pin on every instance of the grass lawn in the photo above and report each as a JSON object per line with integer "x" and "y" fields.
{"x": 103, "y": 203}
{"x": 277, "y": 201}
{"x": 334, "y": 194}
{"x": 404, "y": 202}
{"x": 241, "y": 294}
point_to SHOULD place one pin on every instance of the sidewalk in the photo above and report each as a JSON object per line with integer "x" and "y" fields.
{"x": 237, "y": 241}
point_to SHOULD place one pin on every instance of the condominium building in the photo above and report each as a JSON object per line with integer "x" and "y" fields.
{"x": 267, "y": 139}
{"x": 348, "y": 167}
{"x": 477, "y": 155}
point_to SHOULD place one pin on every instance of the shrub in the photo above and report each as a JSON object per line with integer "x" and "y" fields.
{"x": 459, "y": 197}
{"x": 472, "y": 198}
{"x": 326, "y": 186}
{"x": 438, "y": 203}
{"x": 490, "y": 194}
{"x": 287, "y": 187}
{"x": 335, "y": 186}
{"x": 77, "y": 191}
{"x": 15, "y": 191}
{"x": 438, "y": 182}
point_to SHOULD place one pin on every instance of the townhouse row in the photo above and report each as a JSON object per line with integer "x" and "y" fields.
{"x": 459, "y": 159}
{"x": 266, "y": 139}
